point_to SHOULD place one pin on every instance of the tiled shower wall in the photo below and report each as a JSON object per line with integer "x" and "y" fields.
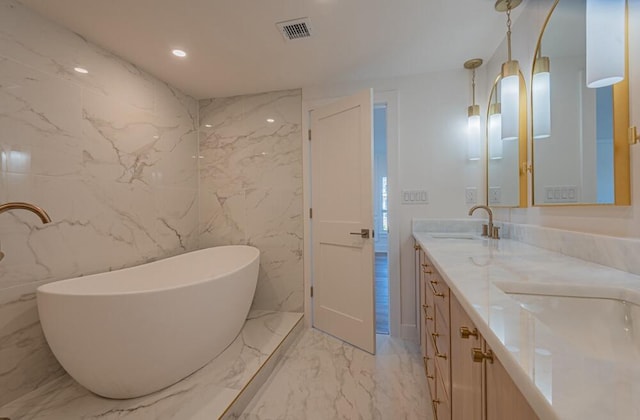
{"x": 111, "y": 155}
{"x": 251, "y": 187}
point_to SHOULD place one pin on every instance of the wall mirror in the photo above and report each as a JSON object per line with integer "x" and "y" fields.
{"x": 580, "y": 149}
{"x": 506, "y": 159}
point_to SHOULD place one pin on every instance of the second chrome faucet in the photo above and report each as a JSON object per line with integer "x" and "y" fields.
{"x": 492, "y": 231}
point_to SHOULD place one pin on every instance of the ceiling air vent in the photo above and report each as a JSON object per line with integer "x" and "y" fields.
{"x": 295, "y": 29}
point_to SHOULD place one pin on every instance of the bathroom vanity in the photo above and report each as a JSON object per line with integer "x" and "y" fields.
{"x": 509, "y": 330}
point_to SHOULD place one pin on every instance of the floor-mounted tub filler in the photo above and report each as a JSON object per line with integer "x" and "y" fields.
{"x": 131, "y": 332}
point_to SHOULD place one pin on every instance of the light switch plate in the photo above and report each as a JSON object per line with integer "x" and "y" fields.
{"x": 471, "y": 195}
{"x": 415, "y": 197}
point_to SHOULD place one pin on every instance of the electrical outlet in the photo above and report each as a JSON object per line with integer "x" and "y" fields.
{"x": 495, "y": 195}
{"x": 471, "y": 195}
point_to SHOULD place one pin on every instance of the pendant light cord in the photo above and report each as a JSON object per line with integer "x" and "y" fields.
{"x": 473, "y": 85}
{"x": 509, "y": 30}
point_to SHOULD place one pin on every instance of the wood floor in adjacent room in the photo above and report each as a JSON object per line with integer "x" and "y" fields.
{"x": 382, "y": 293}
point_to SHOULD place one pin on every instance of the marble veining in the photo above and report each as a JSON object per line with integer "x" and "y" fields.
{"x": 251, "y": 187}
{"x": 111, "y": 155}
{"x": 560, "y": 377}
{"x": 206, "y": 394}
{"x": 321, "y": 377}
{"x": 612, "y": 251}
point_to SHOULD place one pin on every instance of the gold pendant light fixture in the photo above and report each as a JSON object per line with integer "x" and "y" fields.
{"x": 606, "y": 21}
{"x": 541, "y": 95}
{"x": 474, "y": 135}
{"x": 510, "y": 81}
{"x": 494, "y": 130}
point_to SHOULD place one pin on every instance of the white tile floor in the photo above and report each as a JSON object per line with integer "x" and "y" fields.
{"x": 320, "y": 377}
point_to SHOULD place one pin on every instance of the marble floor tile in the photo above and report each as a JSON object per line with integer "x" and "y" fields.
{"x": 206, "y": 394}
{"x": 322, "y": 378}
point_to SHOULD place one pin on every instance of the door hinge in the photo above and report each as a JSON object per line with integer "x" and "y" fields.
{"x": 310, "y": 213}
{"x": 373, "y": 233}
{"x": 311, "y": 291}
{"x": 309, "y": 134}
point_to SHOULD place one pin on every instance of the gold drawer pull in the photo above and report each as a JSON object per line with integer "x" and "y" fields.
{"x": 425, "y": 265}
{"x": 477, "y": 355}
{"x": 435, "y": 292}
{"x": 416, "y": 247}
{"x": 425, "y": 271}
{"x": 424, "y": 307}
{"x": 465, "y": 332}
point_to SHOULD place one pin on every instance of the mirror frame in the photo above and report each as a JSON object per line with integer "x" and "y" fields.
{"x": 621, "y": 152}
{"x": 523, "y": 144}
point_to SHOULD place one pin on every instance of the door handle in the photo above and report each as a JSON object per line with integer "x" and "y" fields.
{"x": 364, "y": 233}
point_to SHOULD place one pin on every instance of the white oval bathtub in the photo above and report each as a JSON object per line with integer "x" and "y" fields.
{"x": 134, "y": 331}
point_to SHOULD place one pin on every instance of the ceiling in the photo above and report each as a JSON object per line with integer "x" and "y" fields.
{"x": 235, "y": 48}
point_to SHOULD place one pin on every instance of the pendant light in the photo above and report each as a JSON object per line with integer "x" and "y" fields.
{"x": 474, "y": 135}
{"x": 605, "y": 42}
{"x": 541, "y": 96}
{"x": 494, "y": 131}
{"x": 510, "y": 81}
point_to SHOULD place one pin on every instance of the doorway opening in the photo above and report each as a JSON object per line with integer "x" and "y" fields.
{"x": 381, "y": 217}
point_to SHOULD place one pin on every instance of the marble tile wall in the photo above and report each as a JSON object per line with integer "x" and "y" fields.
{"x": 111, "y": 155}
{"x": 251, "y": 187}
{"x": 612, "y": 251}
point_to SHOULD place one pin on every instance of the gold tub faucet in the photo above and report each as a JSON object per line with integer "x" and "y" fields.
{"x": 16, "y": 205}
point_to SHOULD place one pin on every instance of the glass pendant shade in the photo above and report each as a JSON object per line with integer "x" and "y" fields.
{"x": 473, "y": 134}
{"x": 605, "y": 42}
{"x": 510, "y": 100}
{"x": 541, "y": 92}
{"x": 495, "y": 132}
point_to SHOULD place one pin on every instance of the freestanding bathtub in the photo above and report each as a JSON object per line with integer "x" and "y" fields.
{"x": 130, "y": 332}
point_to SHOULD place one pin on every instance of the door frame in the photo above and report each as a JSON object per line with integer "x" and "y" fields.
{"x": 390, "y": 98}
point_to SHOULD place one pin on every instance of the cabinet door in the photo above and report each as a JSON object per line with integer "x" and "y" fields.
{"x": 423, "y": 299}
{"x": 466, "y": 375}
{"x": 504, "y": 399}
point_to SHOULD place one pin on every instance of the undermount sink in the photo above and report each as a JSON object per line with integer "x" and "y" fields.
{"x": 455, "y": 235}
{"x": 603, "y": 322}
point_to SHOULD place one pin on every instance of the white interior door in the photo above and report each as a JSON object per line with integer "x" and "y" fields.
{"x": 342, "y": 220}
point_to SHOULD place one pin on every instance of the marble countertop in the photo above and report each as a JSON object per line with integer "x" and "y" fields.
{"x": 572, "y": 358}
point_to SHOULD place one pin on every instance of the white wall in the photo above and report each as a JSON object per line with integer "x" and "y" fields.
{"x": 609, "y": 220}
{"x": 432, "y": 122}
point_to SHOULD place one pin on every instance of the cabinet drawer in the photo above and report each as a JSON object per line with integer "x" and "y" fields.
{"x": 427, "y": 277}
{"x": 443, "y": 358}
{"x": 430, "y": 372}
{"x": 441, "y": 405}
{"x": 440, "y": 293}
{"x": 428, "y": 317}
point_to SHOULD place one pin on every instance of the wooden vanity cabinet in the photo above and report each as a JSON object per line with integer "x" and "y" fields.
{"x": 504, "y": 400}
{"x": 461, "y": 388}
{"x": 466, "y": 375}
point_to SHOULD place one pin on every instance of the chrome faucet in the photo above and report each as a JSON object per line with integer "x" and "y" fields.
{"x": 491, "y": 231}
{"x": 16, "y": 205}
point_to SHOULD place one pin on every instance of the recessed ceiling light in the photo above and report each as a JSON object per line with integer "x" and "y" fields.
{"x": 270, "y": 120}
{"x": 179, "y": 53}
{"x": 208, "y": 125}
{"x": 81, "y": 70}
